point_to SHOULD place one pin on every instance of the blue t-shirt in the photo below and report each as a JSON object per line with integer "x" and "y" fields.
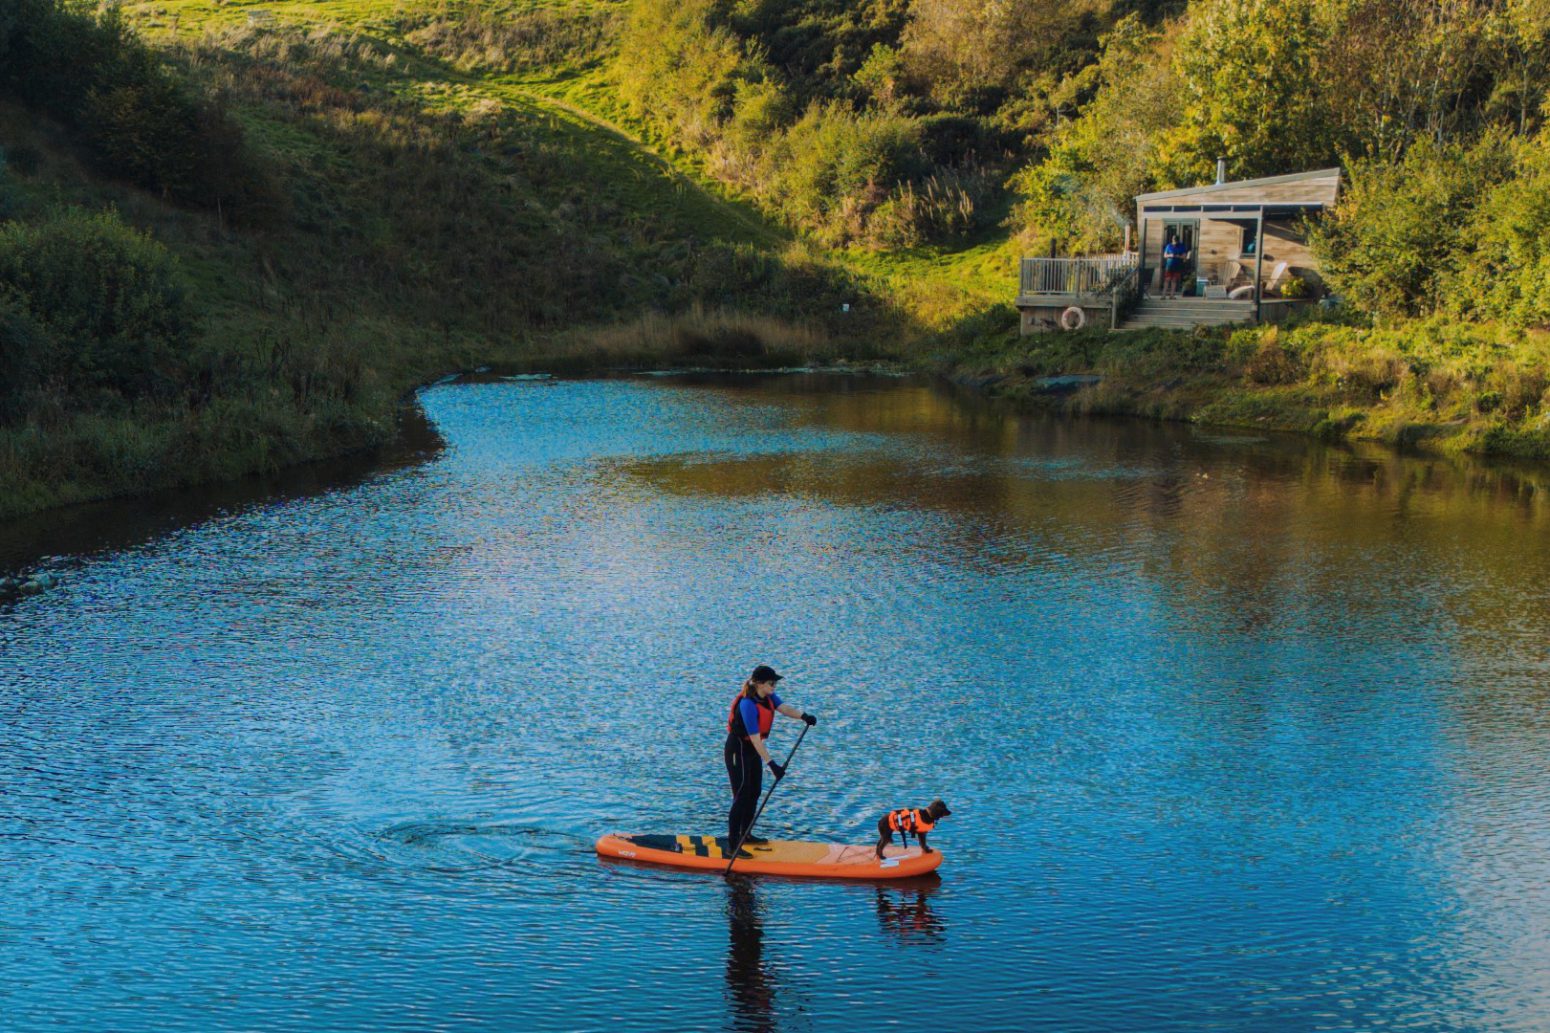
{"x": 1173, "y": 256}
{"x": 748, "y": 710}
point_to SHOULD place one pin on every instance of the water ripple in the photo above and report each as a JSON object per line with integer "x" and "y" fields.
{"x": 1239, "y": 733}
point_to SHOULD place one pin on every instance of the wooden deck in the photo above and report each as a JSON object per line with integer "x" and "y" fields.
{"x": 1051, "y": 281}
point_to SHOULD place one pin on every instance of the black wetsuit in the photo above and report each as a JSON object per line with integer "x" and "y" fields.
{"x": 746, "y": 773}
{"x": 744, "y": 768}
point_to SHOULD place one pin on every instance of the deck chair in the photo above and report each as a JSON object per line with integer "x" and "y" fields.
{"x": 1271, "y": 286}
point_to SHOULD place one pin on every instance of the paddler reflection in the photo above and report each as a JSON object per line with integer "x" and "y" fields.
{"x": 906, "y": 912}
{"x": 750, "y": 983}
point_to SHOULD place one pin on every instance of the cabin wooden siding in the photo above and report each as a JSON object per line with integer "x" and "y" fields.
{"x": 1220, "y": 235}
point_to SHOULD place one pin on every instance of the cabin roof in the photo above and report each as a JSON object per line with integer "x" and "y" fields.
{"x": 1241, "y": 184}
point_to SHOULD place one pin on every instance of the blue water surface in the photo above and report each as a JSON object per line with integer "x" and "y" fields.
{"x": 1239, "y": 734}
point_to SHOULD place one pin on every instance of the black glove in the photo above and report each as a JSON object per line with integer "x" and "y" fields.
{"x": 809, "y": 719}
{"x": 778, "y": 770}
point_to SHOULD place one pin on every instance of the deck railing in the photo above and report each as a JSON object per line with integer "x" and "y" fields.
{"x": 1126, "y": 292}
{"x": 1096, "y": 277}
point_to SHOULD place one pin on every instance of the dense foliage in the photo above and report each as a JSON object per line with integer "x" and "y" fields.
{"x": 90, "y": 309}
{"x": 1284, "y": 85}
{"x": 892, "y": 123}
{"x": 887, "y": 123}
{"x": 1457, "y": 229}
{"x": 138, "y": 120}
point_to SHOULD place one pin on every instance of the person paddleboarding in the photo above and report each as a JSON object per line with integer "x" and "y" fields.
{"x": 747, "y": 753}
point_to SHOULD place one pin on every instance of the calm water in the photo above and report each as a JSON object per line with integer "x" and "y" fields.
{"x": 1239, "y": 734}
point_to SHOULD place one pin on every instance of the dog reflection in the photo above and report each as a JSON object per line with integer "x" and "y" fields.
{"x": 907, "y": 914}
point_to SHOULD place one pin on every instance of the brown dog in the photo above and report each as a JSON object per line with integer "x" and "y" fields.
{"x": 906, "y": 820}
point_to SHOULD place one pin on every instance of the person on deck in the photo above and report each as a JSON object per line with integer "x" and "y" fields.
{"x": 1175, "y": 254}
{"x": 747, "y": 754}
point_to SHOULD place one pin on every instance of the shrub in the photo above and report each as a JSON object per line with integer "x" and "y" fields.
{"x": 140, "y": 123}
{"x": 1397, "y": 234}
{"x": 101, "y": 303}
{"x": 836, "y": 166}
{"x": 1505, "y": 273}
{"x": 681, "y": 69}
{"x": 24, "y": 345}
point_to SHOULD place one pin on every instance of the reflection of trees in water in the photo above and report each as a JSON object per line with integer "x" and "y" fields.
{"x": 907, "y": 913}
{"x": 1220, "y": 543}
{"x": 1235, "y": 517}
{"x": 750, "y": 982}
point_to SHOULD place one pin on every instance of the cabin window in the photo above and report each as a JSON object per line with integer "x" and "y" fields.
{"x": 1249, "y": 241}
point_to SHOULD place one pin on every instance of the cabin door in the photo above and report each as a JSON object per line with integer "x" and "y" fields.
{"x": 1188, "y": 233}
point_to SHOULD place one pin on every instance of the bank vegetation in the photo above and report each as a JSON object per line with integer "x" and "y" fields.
{"x": 231, "y": 239}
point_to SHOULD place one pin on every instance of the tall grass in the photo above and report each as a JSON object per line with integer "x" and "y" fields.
{"x": 698, "y": 337}
{"x": 512, "y": 38}
{"x": 1440, "y": 385}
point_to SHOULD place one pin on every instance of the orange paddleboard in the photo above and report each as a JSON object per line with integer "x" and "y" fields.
{"x": 777, "y": 857}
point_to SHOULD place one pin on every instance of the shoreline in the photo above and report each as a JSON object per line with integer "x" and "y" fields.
{"x": 1330, "y": 382}
{"x": 1198, "y": 397}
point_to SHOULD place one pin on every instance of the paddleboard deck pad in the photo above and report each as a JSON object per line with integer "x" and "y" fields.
{"x": 777, "y": 857}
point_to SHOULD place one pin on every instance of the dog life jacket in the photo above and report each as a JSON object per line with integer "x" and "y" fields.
{"x": 766, "y": 717}
{"x": 908, "y": 820}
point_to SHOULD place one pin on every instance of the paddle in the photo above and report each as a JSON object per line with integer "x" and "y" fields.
{"x": 767, "y": 794}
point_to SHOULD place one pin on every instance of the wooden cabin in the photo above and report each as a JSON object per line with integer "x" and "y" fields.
{"x": 1247, "y": 250}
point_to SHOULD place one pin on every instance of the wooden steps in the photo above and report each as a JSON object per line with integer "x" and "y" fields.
{"x": 1187, "y": 313}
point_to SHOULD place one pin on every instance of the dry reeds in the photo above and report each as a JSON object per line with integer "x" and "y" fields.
{"x": 719, "y": 338}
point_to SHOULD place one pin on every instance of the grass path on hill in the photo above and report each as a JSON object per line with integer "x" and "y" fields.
{"x": 576, "y": 106}
{"x": 627, "y": 166}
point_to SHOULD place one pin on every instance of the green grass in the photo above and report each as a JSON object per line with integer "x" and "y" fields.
{"x": 447, "y": 213}
{"x": 1435, "y": 387}
{"x": 439, "y": 219}
{"x": 577, "y": 104}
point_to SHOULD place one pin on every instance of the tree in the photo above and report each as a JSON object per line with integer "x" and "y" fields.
{"x": 1521, "y": 46}
{"x": 1398, "y": 70}
{"x": 1248, "y": 72}
{"x": 970, "y": 53}
{"x": 1080, "y": 193}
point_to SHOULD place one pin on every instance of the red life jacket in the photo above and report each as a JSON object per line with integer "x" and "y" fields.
{"x": 766, "y": 717}
{"x": 910, "y": 820}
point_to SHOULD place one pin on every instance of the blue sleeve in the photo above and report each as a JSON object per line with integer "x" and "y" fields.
{"x": 775, "y": 700}
{"x": 748, "y": 710}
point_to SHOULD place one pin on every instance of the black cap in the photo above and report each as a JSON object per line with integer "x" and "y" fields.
{"x": 764, "y": 673}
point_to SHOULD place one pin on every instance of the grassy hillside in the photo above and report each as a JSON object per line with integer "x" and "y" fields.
{"x": 429, "y": 218}
{"x": 554, "y": 65}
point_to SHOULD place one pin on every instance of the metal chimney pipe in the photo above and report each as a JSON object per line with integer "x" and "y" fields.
{"x": 1221, "y": 171}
